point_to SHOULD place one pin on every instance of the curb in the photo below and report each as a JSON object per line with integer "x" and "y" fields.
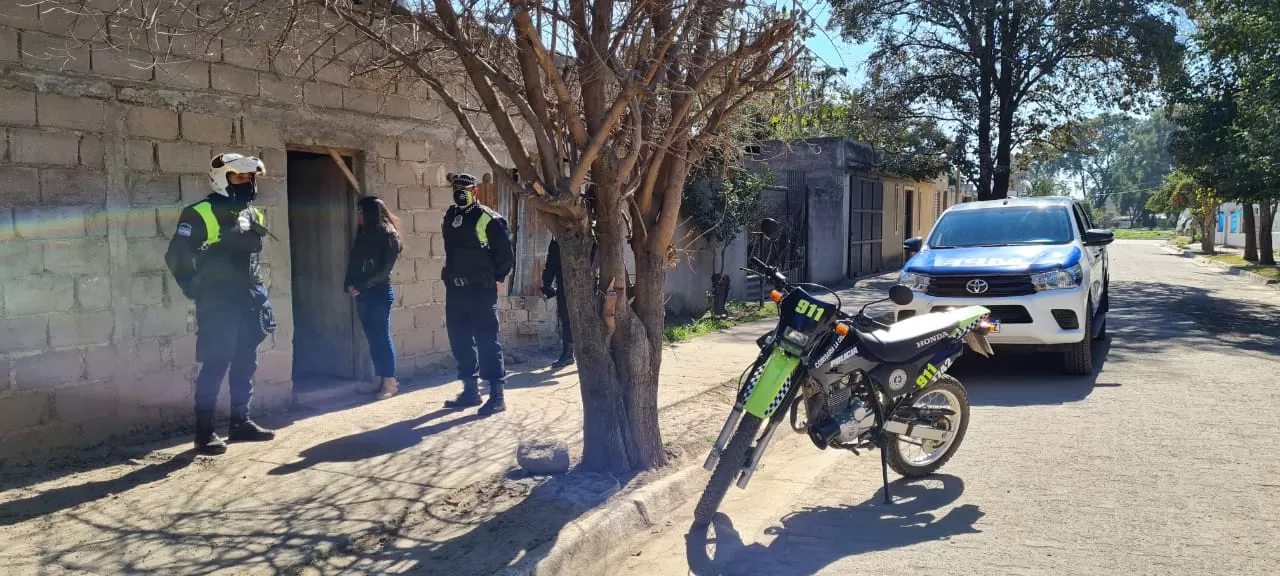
{"x": 585, "y": 544}
{"x": 1229, "y": 269}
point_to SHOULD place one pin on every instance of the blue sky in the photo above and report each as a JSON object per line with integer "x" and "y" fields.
{"x": 834, "y": 51}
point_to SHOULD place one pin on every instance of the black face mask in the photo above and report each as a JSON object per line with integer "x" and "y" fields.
{"x": 463, "y": 198}
{"x": 244, "y": 193}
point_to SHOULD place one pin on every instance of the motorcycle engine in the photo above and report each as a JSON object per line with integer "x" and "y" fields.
{"x": 846, "y": 418}
{"x": 854, "y": 420}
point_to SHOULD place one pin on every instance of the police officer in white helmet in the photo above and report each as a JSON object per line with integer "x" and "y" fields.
{"x": 215, "y": 258}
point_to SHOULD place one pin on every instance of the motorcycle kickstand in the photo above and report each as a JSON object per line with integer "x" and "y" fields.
{"x": 884, "y": 473}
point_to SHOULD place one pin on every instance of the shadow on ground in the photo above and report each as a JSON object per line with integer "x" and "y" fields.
{"x": 389, "y": 439}
{"x": 51, "y": 501}
{"x": 808, "y": 541}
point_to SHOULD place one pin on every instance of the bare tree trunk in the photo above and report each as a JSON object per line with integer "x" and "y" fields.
{"x": 1004, "y": 96}
{"x": 1250, "y": 238}
{"x": 1207, "y": 223}
{"x": 1266, "y": 222}
{"x": 986, "y": 79}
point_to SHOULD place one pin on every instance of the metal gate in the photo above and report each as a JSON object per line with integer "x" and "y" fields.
{"x": 790, "y": 252}
{"x": 866, "y": 226}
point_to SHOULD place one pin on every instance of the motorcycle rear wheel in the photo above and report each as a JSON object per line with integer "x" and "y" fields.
{"x": 958, "y": 401}
{"x": 727, "y": 469}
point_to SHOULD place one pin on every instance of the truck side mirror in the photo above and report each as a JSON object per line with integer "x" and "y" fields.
{"x": 912, "y": 244}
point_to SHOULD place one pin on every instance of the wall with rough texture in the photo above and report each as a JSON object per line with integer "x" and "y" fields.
{"x": 97, "y": 158}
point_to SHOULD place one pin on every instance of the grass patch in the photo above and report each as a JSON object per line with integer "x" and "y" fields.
{"x": 679, "y": 330}
{"x": 1182, "y": 241}
{"x": 1143, "y": 234}
{"x": 1270, "y": 272}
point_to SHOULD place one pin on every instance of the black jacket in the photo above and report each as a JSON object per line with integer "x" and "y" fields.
{"x": 552, "y": 271}
{"x": 226, "y": 269}
{"x": 477, "y": 246}
{"x": 373, "y": 256}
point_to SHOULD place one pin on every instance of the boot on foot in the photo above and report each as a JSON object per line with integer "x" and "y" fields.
{"x": 496, "y": 402}
{"x": 469, "y": 397}
{"x": 389, "y": 388}
{"x": 207, "y": 441}
{"x": 247, "y": 430}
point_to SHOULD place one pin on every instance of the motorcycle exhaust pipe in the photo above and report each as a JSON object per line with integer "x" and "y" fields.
{"x": 754, "y": 459}
{"x": 913, "y": 430}
{"x": 730, "y": 424}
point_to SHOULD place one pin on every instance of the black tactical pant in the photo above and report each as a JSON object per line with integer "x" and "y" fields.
{"x": 228, "y": 334}
{"x": 471, "y": 317}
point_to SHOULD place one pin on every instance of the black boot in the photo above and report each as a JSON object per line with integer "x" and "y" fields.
{"x": 207, "y": 441}
{"x": 496, "y": 403}
{"x": 566, "y": 357}
{"x": 243, "y": 429}
{"x": 469, "y": 397}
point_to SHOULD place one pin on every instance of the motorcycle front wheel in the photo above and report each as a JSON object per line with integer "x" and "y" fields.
{"x": 731, "y": 462}
{"x": 912, "y": 458}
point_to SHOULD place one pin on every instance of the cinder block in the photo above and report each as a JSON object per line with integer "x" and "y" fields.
{"x": 415, "y": 246}
{"x": 19, "y": 185}
{"x": 437, "y": 245}
{"x": 415, "y": 294}
{"x": 38, "y": 294}
{"x": 169, "y": 389}
{"x": 155, "y": 322}
{"x": 428, "y": 221}
{"x": 73, "y": 113}
{"x": 168, "y": 216}
{"x": 194, "y": 188}
{"x": 6, "y": 225}
{"x": 264, "y": 134}
{"x": 17, "y": 107}
{"x": 21, "y": 258}
{"x": 140, "y": 223}
{"x": 400, "y": 173}
{"x": 428, "y": 269}
{"x": 147, "y": 289}
{"x": 23, "y": 410}
{"x": 122, "y": 64}
{"x": 81, "y": 328}
{"x": 231, "y": 79}
{"x": 49, "y": 222}
{"x": 414, "y": 198}
{"x": 77, "y": 24}
{"x": 183, "y": 157}
{"x": 412, "y": 151}
{"x": 49, "y": 370}
{"x": 152, "y": 123}
{"x": 416, "y": 343}
{"x": 92, "y": 154}
{"x": 397, "y": 106}
{"x": 73, "y": 186}
{"x": 54, "y": 53}
{"x": 141, "y": 155}
{"x": 41, "y": 147}
{"x": 361, "y": 101}
{"x": 152, "y": 189}
{"x": 280, "y": 88}
{"x": 183, "y": 350}
{"x": 84, "y": 256}
{"x": 334, "y": 72}
{"x": 24, "y": 334}
{"x": 95, "y": 221}
{"x": 441, "y": 198}
{"x": 206, "y": 128}
{"x": 147, "y": 255}
{"x": 93, "y": 292}
{"x": 322, "y": 95}
{"x": 9, "y": 51}
{"x": 385, "y": 148}
{"x": 429, "y": 317}
{"x": 149, "y": 356}
{"x": 79, "y": 403}
{"x": 192, "y": 74}
{"x": 246, "y": 56}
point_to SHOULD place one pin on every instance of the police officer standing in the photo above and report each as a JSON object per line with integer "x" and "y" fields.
{"x": 553, "y": 287}
{"x": 215, "y": 258}
{"x": 478, "y": 257}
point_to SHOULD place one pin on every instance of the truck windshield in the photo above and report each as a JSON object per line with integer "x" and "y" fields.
{"x": 1002, "y": 226}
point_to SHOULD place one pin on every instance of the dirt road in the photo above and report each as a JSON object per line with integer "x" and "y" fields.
{"x": 1164, "y": 462}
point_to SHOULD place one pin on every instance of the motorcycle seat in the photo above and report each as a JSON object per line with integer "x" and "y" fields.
{"x": 907, "y": 339}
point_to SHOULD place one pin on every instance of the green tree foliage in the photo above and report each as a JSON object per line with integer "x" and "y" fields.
{"x": 1006, "y": 72}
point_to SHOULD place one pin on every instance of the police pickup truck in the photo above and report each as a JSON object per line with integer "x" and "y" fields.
{"x": 1038, "y": 264}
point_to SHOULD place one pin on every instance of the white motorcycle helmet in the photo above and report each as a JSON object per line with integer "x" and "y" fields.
{"x": 231, "y": 163}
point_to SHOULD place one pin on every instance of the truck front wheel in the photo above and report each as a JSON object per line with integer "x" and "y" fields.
{"x": 1078, "y": 358}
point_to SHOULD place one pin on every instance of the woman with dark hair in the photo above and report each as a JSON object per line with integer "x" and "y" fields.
{"x": 373, "y": 256}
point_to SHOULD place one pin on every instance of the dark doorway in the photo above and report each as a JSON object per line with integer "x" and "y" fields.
{"x": 321, "y": 227}
{"x": 908, "y": 230}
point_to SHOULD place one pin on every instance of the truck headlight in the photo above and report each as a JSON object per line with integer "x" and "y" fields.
{"x": 916, "y": 282}
{"x": 1058, "y": 279}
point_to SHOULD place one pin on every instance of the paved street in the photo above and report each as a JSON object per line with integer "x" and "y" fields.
{"x": 1164, "y": 462}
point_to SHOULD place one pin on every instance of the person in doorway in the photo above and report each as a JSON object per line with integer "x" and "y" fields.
{"x": 478, "y": 258}
{"x": 373, "y": 256}
{"x": 553, "y": 287}
{"x": 214, "y": 257}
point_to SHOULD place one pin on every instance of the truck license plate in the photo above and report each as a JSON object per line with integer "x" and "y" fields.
{"x": 995, "y": 326}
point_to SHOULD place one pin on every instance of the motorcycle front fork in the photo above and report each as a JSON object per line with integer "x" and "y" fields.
{"x": 762, "y": 444}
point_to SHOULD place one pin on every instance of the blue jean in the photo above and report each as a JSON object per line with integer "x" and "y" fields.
{"x": 373, "y": 306}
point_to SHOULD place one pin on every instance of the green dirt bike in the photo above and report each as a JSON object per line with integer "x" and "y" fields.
{"x": 861, "y": 383}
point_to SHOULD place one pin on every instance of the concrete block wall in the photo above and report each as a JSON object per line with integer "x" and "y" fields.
{"x": 97, "y": 158}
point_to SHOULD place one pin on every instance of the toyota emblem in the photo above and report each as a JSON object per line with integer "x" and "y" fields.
{"x": 976, "y": 286}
